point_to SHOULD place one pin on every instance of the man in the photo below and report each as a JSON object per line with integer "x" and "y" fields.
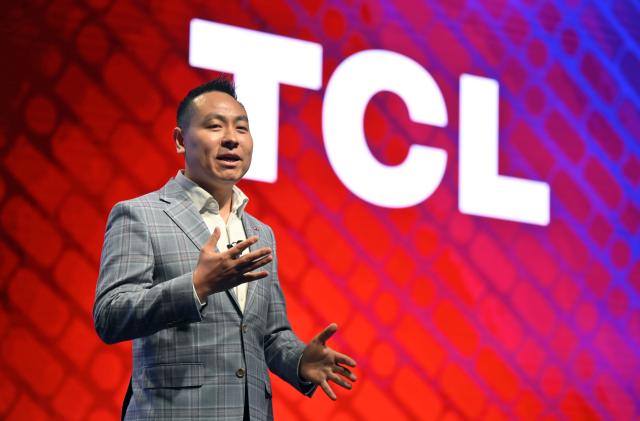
{"x": 192, "y": 279}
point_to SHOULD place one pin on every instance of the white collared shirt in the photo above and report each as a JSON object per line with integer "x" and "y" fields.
{"x": 230, "y": 232}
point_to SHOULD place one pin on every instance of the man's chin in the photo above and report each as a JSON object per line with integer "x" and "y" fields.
{"x": 229, "y": 177}
{"x": 217, "y": 180}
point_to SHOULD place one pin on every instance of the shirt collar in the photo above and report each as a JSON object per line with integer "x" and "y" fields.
{"x": 203, "y": 200}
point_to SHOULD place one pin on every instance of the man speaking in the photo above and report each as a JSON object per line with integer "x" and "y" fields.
{"x": 192, "y": 278}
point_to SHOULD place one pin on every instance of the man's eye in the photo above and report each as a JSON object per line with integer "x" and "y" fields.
{"x": 213, "y": 126}
{"x": 243, "y": 128}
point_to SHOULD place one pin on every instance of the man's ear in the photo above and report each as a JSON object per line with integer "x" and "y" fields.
{"x": 179, "y": 140}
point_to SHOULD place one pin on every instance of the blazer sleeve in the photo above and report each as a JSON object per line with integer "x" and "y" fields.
{"x": 128, "y": 304}
{"x": 282, "y": 348}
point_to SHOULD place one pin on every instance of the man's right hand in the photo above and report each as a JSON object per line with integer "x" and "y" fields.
{"x": 219, "y": 271}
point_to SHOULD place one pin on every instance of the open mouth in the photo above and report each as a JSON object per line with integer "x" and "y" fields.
{"x": 228, "y": 157}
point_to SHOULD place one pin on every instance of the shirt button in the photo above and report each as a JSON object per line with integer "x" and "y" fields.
{"x": 240, "y": 373}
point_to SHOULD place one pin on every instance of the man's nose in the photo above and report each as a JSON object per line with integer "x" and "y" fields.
{"x": 229, "y": 142}
{"x": 230, "y": 138}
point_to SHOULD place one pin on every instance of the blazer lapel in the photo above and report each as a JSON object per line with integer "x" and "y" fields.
{"x": 185, "y": 215}
{"x": 250, "y": 229}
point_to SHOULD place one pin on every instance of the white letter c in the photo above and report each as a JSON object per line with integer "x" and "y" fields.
{"x": 355, "y": 81}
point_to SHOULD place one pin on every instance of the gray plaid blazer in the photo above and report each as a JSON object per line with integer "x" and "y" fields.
{"x": 189, "y": 363}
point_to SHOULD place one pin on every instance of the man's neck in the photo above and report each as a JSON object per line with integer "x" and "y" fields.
{"x": 224, "y": 197}
{"x": 223, "y": 194}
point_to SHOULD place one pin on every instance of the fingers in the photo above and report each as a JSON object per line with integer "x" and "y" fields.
{"x": 212, "y": 242}
{"x": 345, "y": 372}
{"x": 217, "y": 271}
{"x": 344, "y": 360}
{"x": 254, "y": 276}
{"x": 327, "y": 389}
{"x": 327, "y": 333}
{"x": 247, "y": 277}
{"x": 242, "y": 245}
{"x": 251, "y": 266}
{"x": 254, "y": 257}
{"x": 243, "y": 279}
{"x": 339, "y": 381}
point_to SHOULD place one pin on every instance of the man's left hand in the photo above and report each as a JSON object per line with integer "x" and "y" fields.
{"x": 319, "y": 363}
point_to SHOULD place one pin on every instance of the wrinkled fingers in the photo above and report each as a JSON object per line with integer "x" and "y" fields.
{"x": 344, "y": 372}
{"x": 250, "y": 260}
{"x": 339, "y": 380}
{"x": 327, "y": 389}
{"x": 238, "y": 248}
{"x": 344, "y": 360}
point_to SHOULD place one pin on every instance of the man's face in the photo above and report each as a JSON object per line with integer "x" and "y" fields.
{"x": 217, "y": 143}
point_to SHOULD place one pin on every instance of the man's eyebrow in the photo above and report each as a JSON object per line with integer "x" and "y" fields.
{"x": 215, "y": 116}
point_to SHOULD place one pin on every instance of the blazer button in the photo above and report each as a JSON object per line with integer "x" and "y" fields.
{"x": 245, "y": 328}
{"x": 240, "y": 373}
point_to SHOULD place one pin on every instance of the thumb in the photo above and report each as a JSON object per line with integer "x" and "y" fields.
{"x": 327, "y": 333}
{"x": 212, "y": 242}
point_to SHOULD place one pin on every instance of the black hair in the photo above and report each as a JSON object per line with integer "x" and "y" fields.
{"x": 185, "y": 109}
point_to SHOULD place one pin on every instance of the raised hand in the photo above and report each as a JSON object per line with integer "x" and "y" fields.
{"x": 219, "y": 271}
{"x": 319, "y": 363}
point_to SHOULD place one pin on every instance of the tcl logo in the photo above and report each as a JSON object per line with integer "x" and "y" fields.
{"x": 261, "y": 61}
